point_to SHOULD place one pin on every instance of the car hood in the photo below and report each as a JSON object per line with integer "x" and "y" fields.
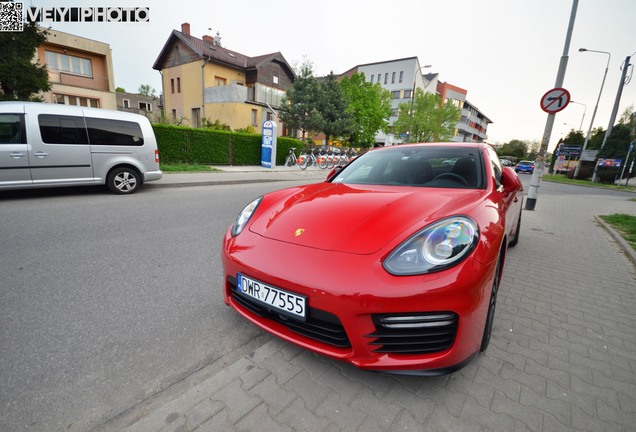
{"x": 358, "y": 219}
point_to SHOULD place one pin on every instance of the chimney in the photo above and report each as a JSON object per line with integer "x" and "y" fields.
{"x": 208, "y": 39}
{"x": 185, "y": 28}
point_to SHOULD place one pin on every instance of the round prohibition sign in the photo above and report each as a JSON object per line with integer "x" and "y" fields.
{"x": 555, "y": 100}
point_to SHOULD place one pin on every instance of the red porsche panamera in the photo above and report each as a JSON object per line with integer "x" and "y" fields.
{"x": 393, "y": 264}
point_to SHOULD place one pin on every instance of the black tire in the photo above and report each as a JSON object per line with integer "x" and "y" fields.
{"x": 124, "y": 181}
{"x": 290, "y": 162}
{"x": 304, "y": 164}
{"x": 490, "y": 317}
{"x": 517, "y": 232}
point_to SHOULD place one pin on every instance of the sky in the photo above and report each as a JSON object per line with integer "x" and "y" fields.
{"x": 505, "y": 53}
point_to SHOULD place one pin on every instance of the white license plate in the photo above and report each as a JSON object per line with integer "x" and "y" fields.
{"x": 285, "y": 302}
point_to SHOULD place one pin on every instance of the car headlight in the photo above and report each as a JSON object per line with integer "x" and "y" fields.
{"x": 434, "y": 248}
{"x": 244, "y": 216}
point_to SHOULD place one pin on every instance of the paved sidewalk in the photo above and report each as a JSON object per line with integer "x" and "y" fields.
{"x": 238, "y": 175}
{"x": 562, "y": 355}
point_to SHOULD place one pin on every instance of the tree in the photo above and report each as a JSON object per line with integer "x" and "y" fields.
{"x": 370, "y": 107}
{"x": 299, "y": 107}
{"x": 146, "y": 90}
{"x": 335, "y": 119}
{"x": 20, "y": 77}
{"x": 217, "y": 125}
{"x": 535, "y": 145}
{"x": 432, "y": 120}
{"x": 628, "y": 118}
{"x": 516, "y": 148}
{"x": 119, "y": 89}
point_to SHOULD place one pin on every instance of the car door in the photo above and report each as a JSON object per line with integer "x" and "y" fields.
{"x": 60, "y": 152}
{"x": 509, "y": 203}
{"x": 14, "y": 151}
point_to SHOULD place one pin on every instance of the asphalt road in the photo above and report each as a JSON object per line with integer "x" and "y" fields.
{"x": 106, "y": 300}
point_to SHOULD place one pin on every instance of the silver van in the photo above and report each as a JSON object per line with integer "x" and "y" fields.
{"x": 48, "y": 145}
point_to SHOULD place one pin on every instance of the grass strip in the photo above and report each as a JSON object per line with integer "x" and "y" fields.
{"x": 625, "y": 225}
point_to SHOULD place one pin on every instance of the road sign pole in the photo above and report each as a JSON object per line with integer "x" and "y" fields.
{"x": 539, "y": 164}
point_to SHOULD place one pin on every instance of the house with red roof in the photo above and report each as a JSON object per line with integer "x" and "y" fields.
{"x": 202, "y": 79}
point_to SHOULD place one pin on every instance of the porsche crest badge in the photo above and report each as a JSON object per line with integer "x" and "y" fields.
{"x": 298, "y": 232}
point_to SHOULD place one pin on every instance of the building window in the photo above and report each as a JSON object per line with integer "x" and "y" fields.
{"x": 172, "y": 85}
{"x": 393, "y": 78}
{"x": 408, "y": 94}
{"x": 145, "y": 106}
{"x": 174, "y": 114}
{"x": 126, "y": 103}
{"x": 371, "y": 79}
{"x": 401, "y": 75}
{"x": 76, "y": 101}
{"x": 253, "y": 117}
{"x": 59, "y": 62}
{"x": 396, "y": 94}
{"x": 178, "y": 85}
{"x": 218, "y": 81}
{"x": 386, "y": 78}
{"x": 394, "y": 112}
{"x": 275, "y": 79}
{"x": 250, "y": 93}
{"x": 269, "y": 116}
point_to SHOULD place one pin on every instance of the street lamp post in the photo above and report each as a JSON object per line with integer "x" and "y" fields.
{"x": 413, "y": 99}
{"x": 584, "y": 111}
{"x": 587, "y": 138}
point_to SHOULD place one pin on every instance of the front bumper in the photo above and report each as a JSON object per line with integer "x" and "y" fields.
{"x": 349, "y": 293}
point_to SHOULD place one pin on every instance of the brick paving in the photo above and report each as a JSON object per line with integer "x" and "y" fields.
{"x": 562, "y": 355}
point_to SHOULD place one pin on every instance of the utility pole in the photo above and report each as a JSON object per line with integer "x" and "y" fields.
{"x": 615, "y": 110}
{"x": 539, "y": 164}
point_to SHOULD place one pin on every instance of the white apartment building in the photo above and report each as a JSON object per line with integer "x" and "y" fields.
{"x": 400, "y": 77}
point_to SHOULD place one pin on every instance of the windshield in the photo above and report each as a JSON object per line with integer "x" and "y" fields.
{"x": 445, "y": 166}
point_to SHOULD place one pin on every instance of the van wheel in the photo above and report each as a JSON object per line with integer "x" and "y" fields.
{"x": 123, "y": 180}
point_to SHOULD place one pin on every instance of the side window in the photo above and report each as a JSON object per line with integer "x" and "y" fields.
{"x": 114, "y": 132}
{"x": 12, "y": 130}
{"x": 496, "y": 164}
{"x": 58, "y": 129}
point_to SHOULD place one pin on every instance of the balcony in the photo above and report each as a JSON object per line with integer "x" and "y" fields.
{"x": 95, "y": 83}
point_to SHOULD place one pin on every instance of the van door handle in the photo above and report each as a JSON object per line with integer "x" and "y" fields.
{"x": 41, "y": 154}
{"x": 15, "y": 155}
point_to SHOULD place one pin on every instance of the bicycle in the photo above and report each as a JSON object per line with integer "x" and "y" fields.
{"x": 308, "y": 160}
{"x": 322, "y": 159}
{"x": 291, "y": 157}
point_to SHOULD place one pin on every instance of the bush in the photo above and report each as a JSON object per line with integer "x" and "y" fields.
{"x": 607, "y": 175}
{"x": 585, "y": 173}
{"x": 180, "y": 144}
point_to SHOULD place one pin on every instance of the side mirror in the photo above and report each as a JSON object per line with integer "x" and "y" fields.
{"x": 510, "y": 180}
{"x": 335, "y": 170}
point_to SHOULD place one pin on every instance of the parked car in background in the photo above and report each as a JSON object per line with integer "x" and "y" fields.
{"x": 49, "y": 145}
{"x": 421, "y": 248}
{"x": 525, "y": 166}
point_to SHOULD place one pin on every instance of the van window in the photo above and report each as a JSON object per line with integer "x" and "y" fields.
{"x": 114, "y": 132}
{"x": 12, "y": 129}
{"x": 59, "y": 129}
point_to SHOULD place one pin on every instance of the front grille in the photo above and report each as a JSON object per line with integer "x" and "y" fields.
{"x": 416, "y": 333}
{"x": 319, "y": 325}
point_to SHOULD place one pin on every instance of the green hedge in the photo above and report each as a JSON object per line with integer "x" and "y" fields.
{"x": 179, "y": 144}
